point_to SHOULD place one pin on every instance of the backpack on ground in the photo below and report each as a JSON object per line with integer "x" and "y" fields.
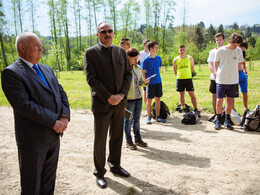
{"x": 191, "y": 118}
{"x": 252, "y": 120}
{"x": 164, "y": 110}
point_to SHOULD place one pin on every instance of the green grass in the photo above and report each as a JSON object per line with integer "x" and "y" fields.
{"x": 78, "y": 91}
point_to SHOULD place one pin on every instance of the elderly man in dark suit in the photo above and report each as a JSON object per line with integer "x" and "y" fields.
{"x": 41, "y": 113}
{"x": 109, "y": 75}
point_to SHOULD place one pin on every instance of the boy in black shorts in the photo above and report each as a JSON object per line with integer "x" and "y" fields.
{"x": 183, "y": 66}
{"x": 151, "y": 66}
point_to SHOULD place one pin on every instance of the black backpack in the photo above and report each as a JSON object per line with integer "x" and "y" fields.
{"x": 252, "y": 120}
{"x": 164, "y": 111}
{"x": 191, "y": 118}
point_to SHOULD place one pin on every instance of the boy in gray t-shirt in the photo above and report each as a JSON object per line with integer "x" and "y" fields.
{"x": 227, "y": 60}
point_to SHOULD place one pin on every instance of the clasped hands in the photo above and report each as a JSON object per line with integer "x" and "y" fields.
{"x": 61, "y": 125}
{"x": 115, "y": 99}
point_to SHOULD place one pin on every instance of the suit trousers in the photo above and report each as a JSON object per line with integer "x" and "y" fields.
{"x": 38, "y": 169}
{"x": 114, "y": 121}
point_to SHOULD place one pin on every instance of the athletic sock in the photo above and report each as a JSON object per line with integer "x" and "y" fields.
{"x": 227, "y": 117}
{"x": 219, "y": 117}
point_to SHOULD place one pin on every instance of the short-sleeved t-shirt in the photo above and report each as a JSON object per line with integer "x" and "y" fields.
{"x": 152, "y": 66}
{"x": 211, "y": 58}
{"x": 142, "y": 56}
{"x": 228, "y": 59}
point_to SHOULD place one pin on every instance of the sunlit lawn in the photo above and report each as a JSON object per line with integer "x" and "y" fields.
{"x": 79, "y": 96}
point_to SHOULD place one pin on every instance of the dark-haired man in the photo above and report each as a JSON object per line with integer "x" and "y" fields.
{"x": 227, "y": 62}
{"x": 109, "y": 75}
{"x": 125, "y": 43}
{"x": 151, "y": 67}
{"x": 219, "y": 39}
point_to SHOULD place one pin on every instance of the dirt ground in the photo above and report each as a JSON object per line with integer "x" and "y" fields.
{"x": 179, "y": 159}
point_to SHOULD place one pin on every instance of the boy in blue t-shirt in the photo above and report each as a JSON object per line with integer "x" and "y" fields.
{"x": 150, "y": 67}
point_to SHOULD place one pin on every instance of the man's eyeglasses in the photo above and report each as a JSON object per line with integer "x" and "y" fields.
{"x": 105, "y": 32}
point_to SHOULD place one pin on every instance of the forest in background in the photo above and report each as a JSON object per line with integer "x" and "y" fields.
{"x": 64, "y": 48}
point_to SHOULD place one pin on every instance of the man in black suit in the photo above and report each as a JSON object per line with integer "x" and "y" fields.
{"x": 109, "y": 75}
{"x": 41, "y": 113}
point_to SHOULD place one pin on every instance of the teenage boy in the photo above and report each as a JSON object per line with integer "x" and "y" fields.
{"x": 219, "y": 39}
{"x": 125, "y": 43}
{"x": 142, "y": 56}
{"x": 151, "y": 67}
{"x": 227, "y": 62}
{"x": 183, "y": 66}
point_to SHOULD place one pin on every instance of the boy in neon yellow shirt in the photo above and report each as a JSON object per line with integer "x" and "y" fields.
{"x": 183, "y": 66}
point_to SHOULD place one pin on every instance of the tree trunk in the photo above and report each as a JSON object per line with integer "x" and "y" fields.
{"x": 20, "y": 15}
{"x": 3, "y": 50}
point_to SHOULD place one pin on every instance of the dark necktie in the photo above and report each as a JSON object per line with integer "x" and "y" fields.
{"x": 39, "y": 73}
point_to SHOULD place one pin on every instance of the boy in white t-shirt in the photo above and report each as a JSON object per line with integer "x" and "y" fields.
{"x": 227, "y": 62}
{"x": 219, "y": 38}
{"x": 142, "y": 56}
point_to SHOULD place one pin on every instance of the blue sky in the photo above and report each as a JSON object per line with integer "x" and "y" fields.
{"x": 214, "y": 12}
{"x": 218, "y": 12}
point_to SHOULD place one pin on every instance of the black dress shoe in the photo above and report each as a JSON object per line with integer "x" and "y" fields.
{"x": 120, "y": 171}
{"x": 101, "y": 182}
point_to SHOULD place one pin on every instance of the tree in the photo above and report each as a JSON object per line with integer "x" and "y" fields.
{"x": 147, "y": 8}
{"x": 156, "y": 11}
{"x": 126, "y": 14}
{"x": 53, "y": 13}
{"x": 32, "y": 9}
{"x": 210, "y": 33}
{"x": 20, "y": 14}
{"x": 235, "y": 26}
{"x": 2, "y": 24}
{"x": 251, "y": 41}
{"x": 184, "y": 16}
{"x": 89, "y": 20}
{"x": 199, "y": 36}
{"x": 220, "y": 29}
{"x": 14, "y": 6}
{"x": 113, "y": 12}
{"x": 248, "y": 32}
{"x": 168, "y": 9}
{"x": 96, "y": 7}
{"x": 63, "y": 11}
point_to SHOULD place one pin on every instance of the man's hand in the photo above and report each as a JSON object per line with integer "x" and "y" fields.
{"x": 60, "y": 126}
{"x": 115, "y": 99}
{"x": 64, "y": 119}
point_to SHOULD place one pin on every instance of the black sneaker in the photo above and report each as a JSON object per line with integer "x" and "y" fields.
{"x": 131, "y": 145}
{"x": 197, "y": 113}
{"x": 217, "y": 125}
{"x": 140, "y": 143}
{"x": 228, "y": 125}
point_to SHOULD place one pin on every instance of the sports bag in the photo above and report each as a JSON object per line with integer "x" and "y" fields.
{"x": 164, "y": 111}
{"x": 191, "y": 118}
{"x": 252, "y": 121}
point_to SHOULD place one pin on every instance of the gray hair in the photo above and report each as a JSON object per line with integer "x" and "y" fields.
{"x": 22, "y": 38}
{"x": 104, "y": 23}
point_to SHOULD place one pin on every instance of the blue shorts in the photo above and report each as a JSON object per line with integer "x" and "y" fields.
{"x": 154, "y": 90}
{"x": 227, "y": 90}
{"x": 243, "y": 82}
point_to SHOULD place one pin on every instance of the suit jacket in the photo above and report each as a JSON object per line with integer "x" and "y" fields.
{"x": 36, "y": 107}
{"x": 96, "y": 76}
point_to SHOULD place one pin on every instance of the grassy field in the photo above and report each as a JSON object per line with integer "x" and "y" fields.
{"x": 79, "y": 96}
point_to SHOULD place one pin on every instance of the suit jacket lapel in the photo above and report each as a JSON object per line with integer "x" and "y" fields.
{"x": 30, "y": 72}
{"x": 46, "y": 75}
